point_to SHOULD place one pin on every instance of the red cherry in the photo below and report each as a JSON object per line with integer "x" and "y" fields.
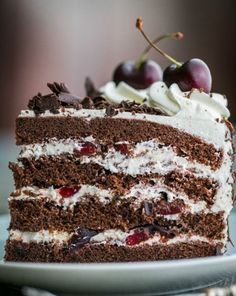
{"x": 136, "y": 238}
{"x": 142, "y": 73}
{"x": 122, "y": 148}
{"x": 87, "y": 148}
{"x": 140, "y": 77}
{"x": 66, "y": 192}
{"x": 192, "y": 74}
{"x": 169, "y": 209}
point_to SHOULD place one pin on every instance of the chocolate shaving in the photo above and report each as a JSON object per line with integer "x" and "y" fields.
{"x": 58, "y": 88}
{"x": 100, "y": 102}
{"x": 164, "y": 231}
{"x": 70, "y": 101}
{"x": 110, "y": 111}
{"x": 87, "y": 103}
{"x": 81, "y": 238}
{"x": 65, "y": 97}
{"x": 39, "y": 103}
{"x": 148, "y": 207}
{"x": 91, "y": 90}
{"x": 127, "y": 106}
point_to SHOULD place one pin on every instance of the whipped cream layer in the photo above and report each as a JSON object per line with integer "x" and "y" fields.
{"x": 110, "y": 237}
{"x": 144, "y": 157}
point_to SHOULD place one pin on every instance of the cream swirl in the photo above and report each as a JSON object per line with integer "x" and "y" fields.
{"x": 172, "y": 100}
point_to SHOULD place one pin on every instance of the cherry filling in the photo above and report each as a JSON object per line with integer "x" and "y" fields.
{"x": 87, "y": 148}
{"x": 170, "y": 210}
{"x": 136, "y": 238}
{"x": 163, "y": 208}
{"x": 67, "y": 192}
{"x": 122, "y": 148}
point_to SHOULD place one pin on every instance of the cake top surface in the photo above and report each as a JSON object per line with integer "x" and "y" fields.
{"x": 157, "y": 99}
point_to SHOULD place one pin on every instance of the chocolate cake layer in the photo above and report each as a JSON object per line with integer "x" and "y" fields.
{"x": 33, "y": 252}
{"x": 38, "y": 129}
{"x": 64, "y": 171}
{"x": 34, "y": 215}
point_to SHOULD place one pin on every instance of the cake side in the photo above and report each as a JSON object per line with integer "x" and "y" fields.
{"x": 107, "y": 184}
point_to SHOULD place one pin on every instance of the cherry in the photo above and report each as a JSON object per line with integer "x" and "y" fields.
{"x": 191, "y": 74}
{"x": 136, "y": 238}
{"x": 87, "y": 148}
{"x": 66, "y": 192}
{"x": 139, "y": 78}
{"x": 122, "y": 148}
{"x": 142, "y": 73}
{"x": 169, "y": 210}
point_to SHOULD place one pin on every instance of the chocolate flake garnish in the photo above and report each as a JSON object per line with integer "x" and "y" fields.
{"x": 90, "y": 88}
{"x": 70, "y": 101}
{"x": 130, "y": 106}
{"x": 81, "y": 238}
{"x": 164, "y": 231}
{"x": 87, "y": 103}
{"x": 148, "y": 207}
{"x": 110, "y": 111}
{"x": 58, "y": 88}
{"x": 100, "y": 102}
{"x": 65, "y": 97}
{"x": 39, "y": 103}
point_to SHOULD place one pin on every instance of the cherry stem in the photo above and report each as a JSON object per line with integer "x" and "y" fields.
{"x": 143, "y": 56}
{"x": 139, "y": 26}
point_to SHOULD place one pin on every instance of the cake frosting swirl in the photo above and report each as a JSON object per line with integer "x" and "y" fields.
{"x": 172, "y": 100}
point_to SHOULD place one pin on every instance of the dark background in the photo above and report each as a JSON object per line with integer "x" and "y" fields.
{"x": 60, "y": 40}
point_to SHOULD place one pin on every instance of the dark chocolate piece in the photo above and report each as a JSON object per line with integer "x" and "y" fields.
{"x": 90, "y": 88}
{"x": 39, "y": 103}
{"x": 110, "y": 111}
{"x": 58, "y": 88}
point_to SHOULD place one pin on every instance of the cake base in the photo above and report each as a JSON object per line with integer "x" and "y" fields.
{"x": 39, "y": 252}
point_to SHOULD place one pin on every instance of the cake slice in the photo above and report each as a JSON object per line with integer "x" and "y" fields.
{"x": 103, "y": 182}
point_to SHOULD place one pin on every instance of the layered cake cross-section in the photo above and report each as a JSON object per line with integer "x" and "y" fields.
{"x": 124, "y": 176}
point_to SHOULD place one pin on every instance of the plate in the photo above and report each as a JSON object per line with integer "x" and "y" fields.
{"x": 144, "y": 278}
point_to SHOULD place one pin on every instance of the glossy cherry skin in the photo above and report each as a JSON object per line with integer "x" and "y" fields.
{"x": 192, "y": 74}
{"x": 139, "y": 78}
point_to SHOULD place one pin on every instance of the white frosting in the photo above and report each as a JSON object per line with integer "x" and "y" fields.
{"x": 171, "y": 100}
{"x": 118, "y": 237}
{"x": 111, "y": 237}
{"x": 146, "y": 158}
{"x": 44, "y": 236}
{"x": 196, "y": 103}
{"x": 122, "y": 92}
